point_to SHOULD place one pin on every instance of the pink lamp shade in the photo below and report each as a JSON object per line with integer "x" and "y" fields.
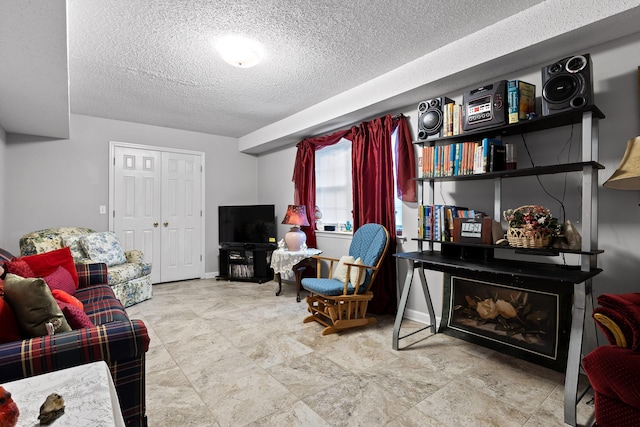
{"x": 297, "y": 216}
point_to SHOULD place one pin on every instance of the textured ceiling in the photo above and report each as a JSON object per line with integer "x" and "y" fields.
{"x": 153, "y": 61}
{"x": 328, "y": 63}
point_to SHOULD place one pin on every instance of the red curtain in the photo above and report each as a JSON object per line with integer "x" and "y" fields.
{"x": 373, "y": 195}
{"x": 405, "y": 162}
{"x": 373, "y": 192}
{"x": 304, "y": 177}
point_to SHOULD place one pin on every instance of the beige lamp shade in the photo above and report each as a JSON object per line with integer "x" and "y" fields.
{"x": 627, "y": 176}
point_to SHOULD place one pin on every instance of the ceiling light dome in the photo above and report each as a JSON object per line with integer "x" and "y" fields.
{"x": 239, "y": 51}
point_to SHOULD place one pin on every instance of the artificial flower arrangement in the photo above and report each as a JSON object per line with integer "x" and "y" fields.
{"x": 531, "y": 226}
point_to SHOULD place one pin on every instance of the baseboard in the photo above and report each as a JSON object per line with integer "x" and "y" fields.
{"x": 419, "y": 316}
{"x": 212, "y": 275}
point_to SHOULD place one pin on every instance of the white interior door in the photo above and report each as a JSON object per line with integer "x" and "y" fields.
{"x": 156, "y": 203}
{"x": 181, "y": 216}
{"x": 136, "y": 209}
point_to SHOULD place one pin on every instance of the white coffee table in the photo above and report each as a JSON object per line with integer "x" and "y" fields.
{"x": 88, "y": 391}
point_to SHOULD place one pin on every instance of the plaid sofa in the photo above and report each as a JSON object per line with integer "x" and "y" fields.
{"x": 119, "y": 341}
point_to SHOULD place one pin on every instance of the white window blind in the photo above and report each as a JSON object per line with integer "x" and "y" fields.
{"x": 333, "y": 183}
{"x": 396, "y": 200}
{"x": 334, "y": 188}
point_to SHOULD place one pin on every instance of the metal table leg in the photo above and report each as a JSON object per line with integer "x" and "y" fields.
{"x": 403, "y": 304}
{"x": 427, "y": 295}
{"x": 581, "y": 291}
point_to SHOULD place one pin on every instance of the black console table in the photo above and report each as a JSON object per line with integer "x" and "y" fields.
{"x": 246, "y": 262}
{"x": 575, "y": 282}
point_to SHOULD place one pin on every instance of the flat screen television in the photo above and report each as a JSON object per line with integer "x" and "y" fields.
{"x": 247, "y": 224}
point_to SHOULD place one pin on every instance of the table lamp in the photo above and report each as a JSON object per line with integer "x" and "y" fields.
{"x": 627, "y": 175}
{"x": 297, "y": 216}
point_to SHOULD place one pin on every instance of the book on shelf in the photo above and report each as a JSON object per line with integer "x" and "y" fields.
{"x": 428, "y": 225}
{"x": 497, "y": 158}
{"x": 470, "y": 148}
{"x": 484, "y": 155}
{"x": 479, "y": 166}
{"x": 456, "y": 160}
{"x": 425, "y": 222}
{"x": 457, "y": 119}
{"x": 436, "y": 222}
{"x": 464, "y": 146}
{"x": 462, "y": 158}
{"x": 448, "y": 119}
{"x": 450, "y": 212}
{"x": 521, "y": 98}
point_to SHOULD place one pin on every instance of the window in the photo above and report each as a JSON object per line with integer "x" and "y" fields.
{"x": 396, "y": 200}
{"x": 333, "y": 184}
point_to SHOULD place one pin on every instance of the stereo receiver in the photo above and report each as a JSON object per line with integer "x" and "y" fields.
{"x": 485, "y": 106}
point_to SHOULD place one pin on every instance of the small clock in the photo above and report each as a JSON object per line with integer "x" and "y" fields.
{"x": 472, "y": 230}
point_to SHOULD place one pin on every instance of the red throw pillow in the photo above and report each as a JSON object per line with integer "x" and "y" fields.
{"x": 62, "y": 296}
{"x": 76, "y": 318}
{"x": 62, "y": 280}
{"x": 9, "y": 330}
{"x": 46, "y": 263}
{"x": 19, "y": 267}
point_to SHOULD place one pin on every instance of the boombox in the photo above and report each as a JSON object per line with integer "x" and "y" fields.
{"x": 485, "y": 106}
{"x": 567, "y": 84}
{"x": 431, "y": 117}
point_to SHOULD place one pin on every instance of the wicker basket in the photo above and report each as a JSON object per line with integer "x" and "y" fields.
{"x": 517, "y": 238}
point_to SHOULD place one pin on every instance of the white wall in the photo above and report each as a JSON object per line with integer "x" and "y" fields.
{"x": 275, "y": 185}
{"x": 3, "y": 180}
{"x": 616, "y": 92}
{"x": 275, "y": 171}
{"x": 54, "y": 183}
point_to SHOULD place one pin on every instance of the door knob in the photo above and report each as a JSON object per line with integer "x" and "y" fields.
{"x": 166, "y": 224}
{"x": 155, "y": 224}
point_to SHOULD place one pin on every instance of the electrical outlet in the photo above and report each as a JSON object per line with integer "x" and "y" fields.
{"x": 103, "y": 210}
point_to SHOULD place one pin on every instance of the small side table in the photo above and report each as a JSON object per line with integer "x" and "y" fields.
{"x": 291, "y": 264}
{"x": 89, "y": 395}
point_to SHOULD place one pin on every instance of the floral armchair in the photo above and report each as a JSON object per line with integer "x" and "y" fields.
{"x": 128, "y": 275}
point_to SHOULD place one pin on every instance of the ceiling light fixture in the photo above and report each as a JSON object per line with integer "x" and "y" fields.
{"x": 239, "y": 51}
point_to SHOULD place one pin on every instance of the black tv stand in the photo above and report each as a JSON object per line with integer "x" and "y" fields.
{"x": 246, "y": 262}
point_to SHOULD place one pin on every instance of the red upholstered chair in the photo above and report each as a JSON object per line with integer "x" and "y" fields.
{"x": 614, "y": 370}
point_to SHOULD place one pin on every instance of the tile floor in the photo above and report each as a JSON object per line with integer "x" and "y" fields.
{"x": 233, "y": 354}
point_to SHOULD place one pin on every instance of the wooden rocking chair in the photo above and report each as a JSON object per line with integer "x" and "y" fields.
{"x": 340, "y": 301}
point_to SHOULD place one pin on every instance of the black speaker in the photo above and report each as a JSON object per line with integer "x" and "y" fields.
{"x": 431, "y": 117}
{"x": 567, "y": 84}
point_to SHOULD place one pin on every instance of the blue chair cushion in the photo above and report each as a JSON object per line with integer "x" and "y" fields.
{"x": 368, "y": 243}
{"x": 328, "y": 287}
